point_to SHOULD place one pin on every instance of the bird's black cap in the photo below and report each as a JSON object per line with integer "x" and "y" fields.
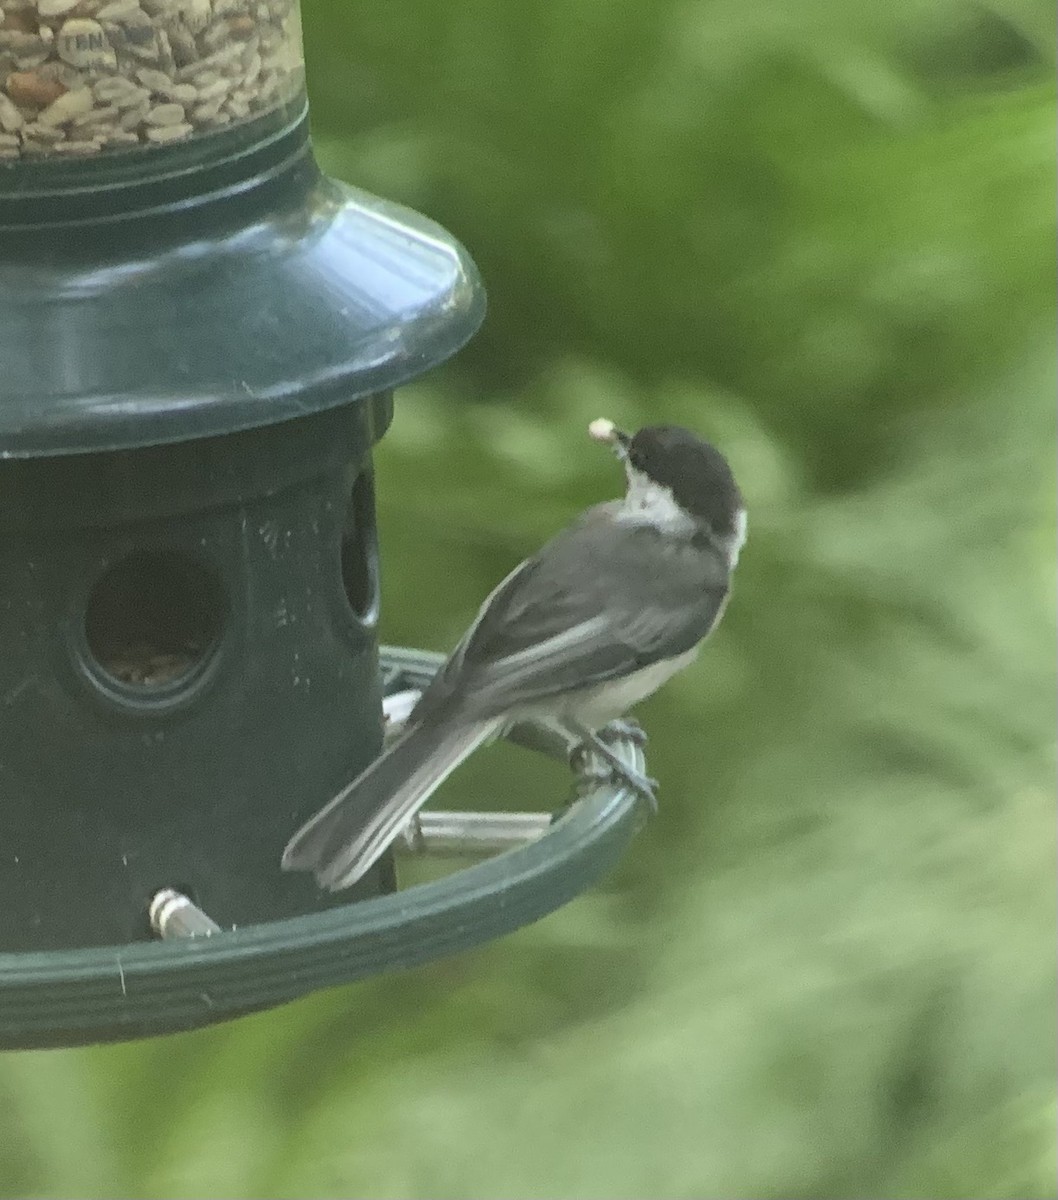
{"x": 697, "y": 474}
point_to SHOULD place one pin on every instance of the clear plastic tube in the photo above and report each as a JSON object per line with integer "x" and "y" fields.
{"x": 89, "y": 77}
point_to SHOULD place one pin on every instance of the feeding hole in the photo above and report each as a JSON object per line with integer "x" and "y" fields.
{"x": 152, "y": 618}
{"x": 359, "y": 553}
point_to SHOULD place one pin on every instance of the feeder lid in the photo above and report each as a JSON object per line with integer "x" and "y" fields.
{"x": 220, "y": 313}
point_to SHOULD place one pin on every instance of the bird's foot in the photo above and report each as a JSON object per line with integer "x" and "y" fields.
{"x": 595, "y": 763}
{"x": 624, "y": 729}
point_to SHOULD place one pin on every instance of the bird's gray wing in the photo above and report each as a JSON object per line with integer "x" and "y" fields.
{"x": 597, "y": 602}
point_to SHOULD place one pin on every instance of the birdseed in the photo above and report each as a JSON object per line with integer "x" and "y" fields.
{"x": 84, "y": 77}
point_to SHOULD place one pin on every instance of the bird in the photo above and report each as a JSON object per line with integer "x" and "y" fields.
{"x": 573, "y": 638}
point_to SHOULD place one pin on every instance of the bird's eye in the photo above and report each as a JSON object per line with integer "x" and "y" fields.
{"x": 635, "y": 456}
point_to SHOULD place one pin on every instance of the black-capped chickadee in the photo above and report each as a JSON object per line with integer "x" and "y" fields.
{"x": 575, "y": 636}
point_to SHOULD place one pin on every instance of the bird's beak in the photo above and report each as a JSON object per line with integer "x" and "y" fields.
{"x": 603, "y": 430}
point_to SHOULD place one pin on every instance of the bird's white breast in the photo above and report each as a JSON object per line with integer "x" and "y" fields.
{"x": 597, "y": 706}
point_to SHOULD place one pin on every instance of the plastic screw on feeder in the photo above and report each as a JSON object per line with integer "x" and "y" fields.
{"x": 172, "y": 915}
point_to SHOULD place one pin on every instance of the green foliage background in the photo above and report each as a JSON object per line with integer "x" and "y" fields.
{"x": 823, "y": 234}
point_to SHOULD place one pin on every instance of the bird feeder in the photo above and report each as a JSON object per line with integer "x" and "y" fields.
{"x": 199, "y": 338}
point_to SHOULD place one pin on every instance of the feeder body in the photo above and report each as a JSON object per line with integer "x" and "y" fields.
{"x": 200, "y": 337}
{"x": 189, "y": 669}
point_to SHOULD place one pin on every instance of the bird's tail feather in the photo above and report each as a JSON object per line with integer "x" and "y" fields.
{"x": 346, "y": 837}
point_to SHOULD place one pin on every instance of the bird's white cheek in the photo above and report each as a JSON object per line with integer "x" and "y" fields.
{"x": 738, "y": 539}
{"x": 648, "y": 503}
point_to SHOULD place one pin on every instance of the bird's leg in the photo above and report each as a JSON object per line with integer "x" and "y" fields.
{"x": 545, "y": 737}
{"x": 590, "y": 743}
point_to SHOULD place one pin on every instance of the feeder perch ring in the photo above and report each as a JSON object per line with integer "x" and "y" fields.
{"x": 115, "y": 992}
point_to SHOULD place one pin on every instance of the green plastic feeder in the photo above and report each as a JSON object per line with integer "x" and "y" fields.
{"x": 200, "y": 336}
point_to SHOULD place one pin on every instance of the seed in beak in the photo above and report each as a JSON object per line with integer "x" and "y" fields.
{"x": 603, "y": 430}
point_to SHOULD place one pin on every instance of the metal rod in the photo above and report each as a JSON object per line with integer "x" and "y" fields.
{"x": 172, "y": 915}
{"x": 471, "y": 832}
